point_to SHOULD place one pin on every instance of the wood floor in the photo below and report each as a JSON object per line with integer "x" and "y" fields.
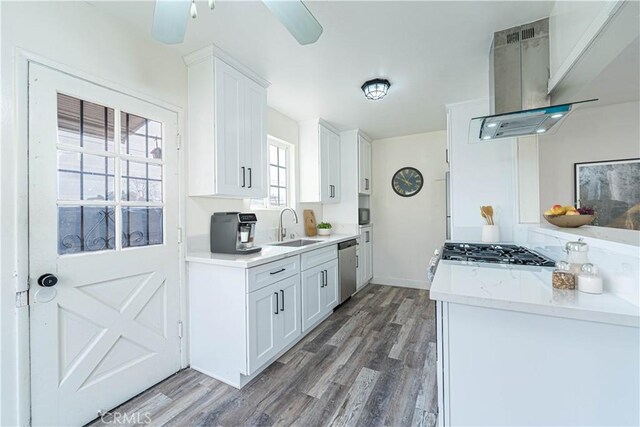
{"x": 371, "y": 363}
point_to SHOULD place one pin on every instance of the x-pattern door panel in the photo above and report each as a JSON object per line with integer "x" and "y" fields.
{"x": 103, "y": 218}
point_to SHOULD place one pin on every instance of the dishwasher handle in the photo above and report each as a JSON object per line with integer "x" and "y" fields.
{"x": 347, "y": 244}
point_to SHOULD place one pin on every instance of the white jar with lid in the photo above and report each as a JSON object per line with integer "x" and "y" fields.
{"x": 589, "y": 280}
{"x": 577, "y": 255}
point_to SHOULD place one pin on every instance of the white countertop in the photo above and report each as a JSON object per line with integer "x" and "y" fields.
{"x": 268, "y": 253}
{"x": 526, "y": 289}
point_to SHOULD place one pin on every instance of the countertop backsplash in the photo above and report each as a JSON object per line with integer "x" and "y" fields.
{"x": 619, "y": 263}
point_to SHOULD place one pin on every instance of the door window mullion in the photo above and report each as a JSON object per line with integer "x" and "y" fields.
{"x": 117, "y": 137}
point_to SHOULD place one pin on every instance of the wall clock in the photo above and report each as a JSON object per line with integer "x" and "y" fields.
{"x": 407, "y": 182}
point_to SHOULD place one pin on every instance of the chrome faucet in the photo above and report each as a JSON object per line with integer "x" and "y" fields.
{"x": 282, "y": 232}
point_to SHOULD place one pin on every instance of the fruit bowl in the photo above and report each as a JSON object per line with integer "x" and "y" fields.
{"x": 569, "y": 221}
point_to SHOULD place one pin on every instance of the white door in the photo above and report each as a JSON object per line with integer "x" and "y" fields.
{"x": 289, "y": 313}
{"x": 334, "y": 166}
{"x": 330, "y": 291}
{"x": 231, "y": 171}
{"x": 262, "y": 306}
{"x": 255, "y": 137}
{"x": 103, "y": 220}
{"x": 326, "y": 186}
{"x": 368, "y": 253}
{"x": 364, "y": 165}
{"x": 312, "y": 287}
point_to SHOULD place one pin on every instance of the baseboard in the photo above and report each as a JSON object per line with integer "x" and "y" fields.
{"x": 404, "y": 283}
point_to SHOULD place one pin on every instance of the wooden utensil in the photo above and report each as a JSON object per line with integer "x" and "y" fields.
{"x": 489, "y": 211}
{"x": 487, "y": 214}
{"x": 310, "y": 226}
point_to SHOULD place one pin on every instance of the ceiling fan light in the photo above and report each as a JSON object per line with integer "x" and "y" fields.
{"x": 375, "y": 89}
{"x": 193, "y": 11}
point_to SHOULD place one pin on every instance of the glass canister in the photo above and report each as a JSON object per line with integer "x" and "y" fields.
{"x": 577, "y": 255}
{"x": 562, "y": 277}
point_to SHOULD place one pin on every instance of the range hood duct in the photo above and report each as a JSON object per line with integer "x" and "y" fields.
{"x": 518, "y": 81}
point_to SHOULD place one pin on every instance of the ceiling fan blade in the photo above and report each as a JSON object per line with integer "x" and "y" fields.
{"x": 170, "y": 20}
{"x": 296, "y": 18}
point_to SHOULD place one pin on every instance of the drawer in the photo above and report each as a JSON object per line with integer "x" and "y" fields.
{"x": 264, "y": 275}
{"x": 319, "y": 256}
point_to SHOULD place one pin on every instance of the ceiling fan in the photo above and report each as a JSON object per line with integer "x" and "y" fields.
{"x": 170, "y": 19}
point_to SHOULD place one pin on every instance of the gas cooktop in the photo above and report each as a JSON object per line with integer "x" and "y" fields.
{"x": 495, "y": 254}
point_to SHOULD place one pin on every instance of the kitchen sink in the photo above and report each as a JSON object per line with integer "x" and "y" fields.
{"x": 296, "y": 243}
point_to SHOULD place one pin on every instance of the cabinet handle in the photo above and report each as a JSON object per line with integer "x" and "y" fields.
{"x": 249, "y": 169}
{"x": 357, "y": 261}
{"x": 277, "y": 304}
{"x": 366, "y": 183}
{"x": 322, "y": 284}
{"x": 277, "y": 271}
{"x": 243, "y": 176}
{"x": 367, "y": 237}
{"x": 282, "y": 293}
{"x": 326, "y": 278}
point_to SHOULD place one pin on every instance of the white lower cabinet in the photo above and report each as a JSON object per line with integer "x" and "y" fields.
{"x": 319, "y": 292}
{"x": 365, "y": 256}
{"x": 273, "y": 320}
{"x": 242, "y": 319}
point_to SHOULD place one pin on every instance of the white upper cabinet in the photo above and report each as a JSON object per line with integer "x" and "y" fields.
{"x": 584, "y": 37}
{"x": 227, "y": 128}
{"x": 364, "y": 166}
{"x": 319, "y": 163}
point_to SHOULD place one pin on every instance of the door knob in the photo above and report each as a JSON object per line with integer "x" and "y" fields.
{"x": 47, "y": 280}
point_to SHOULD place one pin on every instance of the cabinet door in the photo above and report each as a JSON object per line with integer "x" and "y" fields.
{"x": 359, "y": 269}
{"x": 334, "y": 166}
{"x": 289, "y": 310}
{"x": 263, "y": 325}
{"x": 368, "y": 247}
{"x": 326, "y": 186}
{"x": 364, "y": 166}
{"x": 312, "y": 287}
{"x": 231, "y": 173}
{"x": 255, "y": 139}
{"x": 331, "y": 289}
{"x": 366, "y": 258}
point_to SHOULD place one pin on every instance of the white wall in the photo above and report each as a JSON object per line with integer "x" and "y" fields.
{"x": 199, "y": 209}
{"x": 79, "y": 36}
{"x": 406, "y": 230}
{"x": 589, "y": 134}
{"x": 481, "y": 174}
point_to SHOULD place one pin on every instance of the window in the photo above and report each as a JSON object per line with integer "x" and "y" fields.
{"x": 104, "y": 188}
{"x": 280, "y": 170}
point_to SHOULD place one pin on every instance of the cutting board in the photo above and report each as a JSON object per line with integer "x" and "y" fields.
{"x": 310, "y": 226}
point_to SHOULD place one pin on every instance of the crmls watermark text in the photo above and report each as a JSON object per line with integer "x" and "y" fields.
{"x": 124, "y": 418}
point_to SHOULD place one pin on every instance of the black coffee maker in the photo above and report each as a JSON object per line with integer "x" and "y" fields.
{"x": 233, "y": 233}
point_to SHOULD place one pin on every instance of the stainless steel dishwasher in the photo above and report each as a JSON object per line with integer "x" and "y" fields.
{"x": 347, "y": 269}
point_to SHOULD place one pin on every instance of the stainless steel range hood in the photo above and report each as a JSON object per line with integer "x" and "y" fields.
{"x": 519, "y": 74}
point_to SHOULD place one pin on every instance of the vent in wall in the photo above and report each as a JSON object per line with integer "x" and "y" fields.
{"x": 528, "y": 33}
{"x": 513, "y": 38}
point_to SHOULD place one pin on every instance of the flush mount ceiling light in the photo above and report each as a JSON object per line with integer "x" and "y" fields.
{"x": 375, "y": 89}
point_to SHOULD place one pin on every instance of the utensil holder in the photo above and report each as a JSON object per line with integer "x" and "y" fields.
{"x": 490, "y": 234}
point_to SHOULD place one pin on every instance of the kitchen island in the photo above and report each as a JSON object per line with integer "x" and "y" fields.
{"x": 514, "y": 351}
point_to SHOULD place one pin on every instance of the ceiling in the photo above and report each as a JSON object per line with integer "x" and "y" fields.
{"x": 433, "y": 53}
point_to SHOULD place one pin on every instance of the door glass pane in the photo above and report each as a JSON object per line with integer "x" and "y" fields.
{"x": 141, "y": 181}
{"x": 84, "y": 124}
{"x": 141, "y": 137}
{"x": 85, "y": 229}
{"x": 141, "y": 226}
{"x": 85, "y": 176}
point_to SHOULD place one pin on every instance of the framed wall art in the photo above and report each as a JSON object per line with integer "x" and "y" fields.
{"x": 612, "y": 189}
